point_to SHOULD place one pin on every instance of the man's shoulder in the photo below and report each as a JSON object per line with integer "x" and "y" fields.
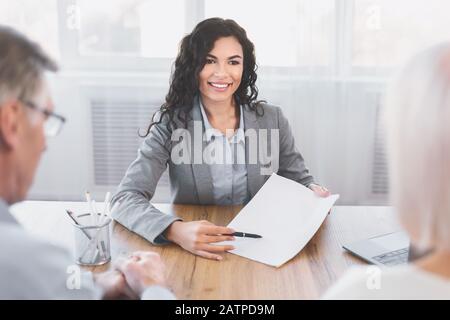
{"x": 31, "y": 268}
{"x": 26, "y": 254}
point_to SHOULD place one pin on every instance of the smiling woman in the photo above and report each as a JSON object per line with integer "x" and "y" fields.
{"x": 213, "y": 97}
{"x": 212, "y": 50}
{"x": 222, "y": 74}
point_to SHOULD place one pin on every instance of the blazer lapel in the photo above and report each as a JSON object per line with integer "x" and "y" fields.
{"x": 254, "y": 178}
{"x": 201, "y": 170}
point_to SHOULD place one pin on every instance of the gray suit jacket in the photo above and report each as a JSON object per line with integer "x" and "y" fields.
{"x": 31, "y": 268}
{"x": 191, "y": 183}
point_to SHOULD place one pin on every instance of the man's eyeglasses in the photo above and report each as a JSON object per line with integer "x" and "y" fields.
{"x": 53, "y": 122}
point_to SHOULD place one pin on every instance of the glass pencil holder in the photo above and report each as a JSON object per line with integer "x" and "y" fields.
{"x": 92, "y": 239}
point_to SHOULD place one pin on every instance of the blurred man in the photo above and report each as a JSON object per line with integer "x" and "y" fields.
{"x": 29, "y": 267}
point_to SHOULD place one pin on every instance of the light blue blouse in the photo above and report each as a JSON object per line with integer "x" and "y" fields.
{"x": 228, "y": 168}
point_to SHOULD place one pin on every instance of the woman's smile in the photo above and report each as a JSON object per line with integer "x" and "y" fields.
{"x": 220, "y": 86}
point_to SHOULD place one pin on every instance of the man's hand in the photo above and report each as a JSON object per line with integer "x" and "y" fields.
{"x": 142, "y": 270}
{"x": 114, "y": 285}
{"x": 198, "y": 237}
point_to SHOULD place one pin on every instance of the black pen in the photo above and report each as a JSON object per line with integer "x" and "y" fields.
{"x": 246, "y": 235}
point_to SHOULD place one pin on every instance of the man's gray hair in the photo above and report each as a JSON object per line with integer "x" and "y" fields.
{"x": 22, "y": 65}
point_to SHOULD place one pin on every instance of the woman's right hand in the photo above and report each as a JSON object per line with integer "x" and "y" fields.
{"x": 198, "y": 237}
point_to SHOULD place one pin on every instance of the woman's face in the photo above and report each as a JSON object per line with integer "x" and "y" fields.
{"x": 222, "y": 73}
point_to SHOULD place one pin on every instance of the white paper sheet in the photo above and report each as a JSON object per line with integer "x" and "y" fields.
{"x": 286, "y": 214}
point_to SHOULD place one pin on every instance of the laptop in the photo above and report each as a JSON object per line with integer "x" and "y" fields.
{"x": 385, "y": 250}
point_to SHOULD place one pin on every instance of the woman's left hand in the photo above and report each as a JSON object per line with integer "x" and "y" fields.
{"x": 319, "y": 190}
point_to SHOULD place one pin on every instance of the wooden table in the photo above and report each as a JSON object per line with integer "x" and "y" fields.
{"x": 306, "y": 276}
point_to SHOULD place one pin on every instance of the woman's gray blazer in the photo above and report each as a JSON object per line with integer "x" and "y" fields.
{"x": 191, "y": 182}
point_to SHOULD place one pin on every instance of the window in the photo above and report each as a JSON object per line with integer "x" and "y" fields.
{"x": 134, "y": 28}
{"x": 403, "y": 26}
{"x": 142, "y": 35}
{"x": 122, "y": 35}
{"x": 37, "y": 19}
{"x": 286, "y": 34}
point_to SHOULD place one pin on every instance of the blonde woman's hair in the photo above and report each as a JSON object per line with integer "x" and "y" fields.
{"x": 417, "y": 117}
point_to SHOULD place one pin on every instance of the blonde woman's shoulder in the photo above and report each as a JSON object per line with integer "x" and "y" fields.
{"x": 375, "y": 283}
{"x": 354, "y": 284}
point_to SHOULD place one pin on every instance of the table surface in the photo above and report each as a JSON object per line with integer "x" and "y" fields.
{"x": 307, "y": 276}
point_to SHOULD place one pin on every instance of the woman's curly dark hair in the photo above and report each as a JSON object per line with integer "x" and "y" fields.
{"x": 194, "y": 48}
